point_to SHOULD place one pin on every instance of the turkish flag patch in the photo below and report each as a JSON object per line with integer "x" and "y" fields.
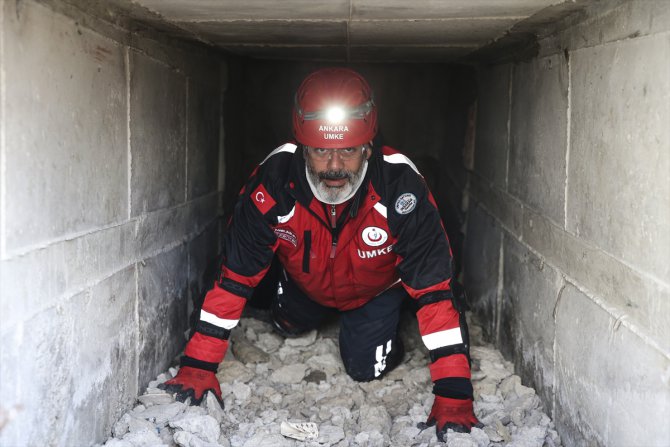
{"x": 262, "y": 199}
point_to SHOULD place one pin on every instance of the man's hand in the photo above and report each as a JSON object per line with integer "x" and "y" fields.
{"x": 194, "y": 383}
{"x": 455, "y": 414}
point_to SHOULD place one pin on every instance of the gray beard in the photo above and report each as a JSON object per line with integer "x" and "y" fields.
{"x": 335, "y": 196}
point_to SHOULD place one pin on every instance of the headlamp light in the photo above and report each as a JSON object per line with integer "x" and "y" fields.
{"x": 335, "y": 114}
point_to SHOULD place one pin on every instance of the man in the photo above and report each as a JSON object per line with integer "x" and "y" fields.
{"x": 355, "y": 229}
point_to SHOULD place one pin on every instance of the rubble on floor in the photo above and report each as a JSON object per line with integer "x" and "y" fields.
{"x": 267, "y": 380}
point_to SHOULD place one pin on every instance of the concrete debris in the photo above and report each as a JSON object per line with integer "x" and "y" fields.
{"x": 121, "y": 426}
{"x": 301, "y": 431}
{"x": 186, "y": 439}
{"x": 159, "y": 414}
{"x": 241, "y": 391}
{"x": 270, "y": 380}
{"x": 203, "y": 426}
{"x": 460, "y": 440}
{"x": 153, "y": 398}
{"x": 330, "y": 434}
{"x": 289, "y": 373}
{"x": 232, "y": 370}
{"x": 269, "y": 341}
{"x": 306, "y": 339}
{"x": 214, "y": 408}
{"x": 247, "y": 352}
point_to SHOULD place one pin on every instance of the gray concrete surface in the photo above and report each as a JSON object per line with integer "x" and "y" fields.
{"x": 585, "y": 299}
{"x": 91, "y": 130}
{"x": 97, "y": 122}
{"x": 619, "y": 399}
{"x": 493, "y": 111}
{"x": 158, "y": 126}
{"x": 530, "y": 289}
{"x": 481, "y": 268}
{"x": 634, "y": 152}
{"x": 292, "y": 27}
{"x": 162, "y": 304}
{"x": 538, "y": 134}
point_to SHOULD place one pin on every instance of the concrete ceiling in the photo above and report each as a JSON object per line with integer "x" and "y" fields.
{"x": 360, "y": 30}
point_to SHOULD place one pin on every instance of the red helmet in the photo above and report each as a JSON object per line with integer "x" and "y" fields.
{"x": 334, "y": 108}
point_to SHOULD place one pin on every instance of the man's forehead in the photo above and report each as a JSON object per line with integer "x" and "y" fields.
{"x": 362, "y": 146}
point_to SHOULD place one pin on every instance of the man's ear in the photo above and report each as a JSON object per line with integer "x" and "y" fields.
{"x": 368, "y": 150}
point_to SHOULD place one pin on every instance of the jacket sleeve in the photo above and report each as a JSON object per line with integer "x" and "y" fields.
{"x": 425, "y": 269}
{"x": 248, "y": 249}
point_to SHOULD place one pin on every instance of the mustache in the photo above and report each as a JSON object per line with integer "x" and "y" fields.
{"x": 335, "y": 175}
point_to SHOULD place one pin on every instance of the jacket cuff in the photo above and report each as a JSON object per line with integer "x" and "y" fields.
{"x": 451, "y": 366}
{"x": 195, "y": 363}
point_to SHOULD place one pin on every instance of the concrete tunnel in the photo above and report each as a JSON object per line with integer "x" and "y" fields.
{"x": 128, "y": 127}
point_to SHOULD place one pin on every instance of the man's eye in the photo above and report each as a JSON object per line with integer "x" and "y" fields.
{"x": 320, "y": 150}
{"x": 349, "y": 150}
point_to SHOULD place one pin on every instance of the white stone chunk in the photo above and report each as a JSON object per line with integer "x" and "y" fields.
{"x": 269, "y": 342}
{"x": 139, "y": 424}
{"x": 205, "y": 427}
{"x": 120, "y": 427}
{"x": 159, "y": 414}
{"x": 150, "y": 399}
{"x": 289, "y": 373}
{"x": 459, "y": 439}
{"x": 417, "y": 376}
{"x": 118, "y": 443}
{"x": 143, "y": 438}
{"x": 302, "y": 341}
{"x": 231, "y": 371}
{"x": 241, "y": 391}
{"x": 301, "y": 431}
{"x": 328, "y": 363}
{"x": 187, "y": 439}
{"x": 330, "y": 434}
{"x": 376, "y": 417}
{"x": 214, "y": 408}
{"x": 267, "y": 440}
{"x": 480, "y": 437}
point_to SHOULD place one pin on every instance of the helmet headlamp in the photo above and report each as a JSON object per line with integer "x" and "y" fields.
{"x": 335, "y": 114}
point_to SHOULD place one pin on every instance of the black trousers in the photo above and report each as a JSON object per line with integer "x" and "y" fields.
{"x": 369, "y": 342}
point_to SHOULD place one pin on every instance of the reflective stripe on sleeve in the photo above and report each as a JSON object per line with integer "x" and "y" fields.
{"x": 284, "y": 219}
{"x": 443, "y": 338}
{"x": 216, "y": 321}
{"x": 400, "y": 159}
{"x": 288, "y": 147}
{"x": 381, "y": 209}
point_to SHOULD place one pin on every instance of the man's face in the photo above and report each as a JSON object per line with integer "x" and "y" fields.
{"x": 335, "y": 172}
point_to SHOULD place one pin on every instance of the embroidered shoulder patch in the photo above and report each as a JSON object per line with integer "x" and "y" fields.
{"x": 286, "y": 235}
{"x": 262, "y": 199}
{"x": 406, "y": 203}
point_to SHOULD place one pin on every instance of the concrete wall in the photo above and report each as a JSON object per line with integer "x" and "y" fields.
{"x": 568, "y": 240}
{"x": 109, "y": 202}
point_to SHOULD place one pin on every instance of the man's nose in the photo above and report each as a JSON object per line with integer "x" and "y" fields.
{"x": 334, "y": 161}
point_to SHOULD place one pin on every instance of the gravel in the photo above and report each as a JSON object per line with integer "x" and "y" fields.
{"x": 266, "y": 380}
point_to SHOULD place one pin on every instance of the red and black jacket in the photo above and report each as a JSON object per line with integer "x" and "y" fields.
{"x": 391, "y": 233}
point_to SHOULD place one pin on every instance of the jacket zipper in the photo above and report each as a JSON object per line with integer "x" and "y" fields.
{"x": 333, "y": 226}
